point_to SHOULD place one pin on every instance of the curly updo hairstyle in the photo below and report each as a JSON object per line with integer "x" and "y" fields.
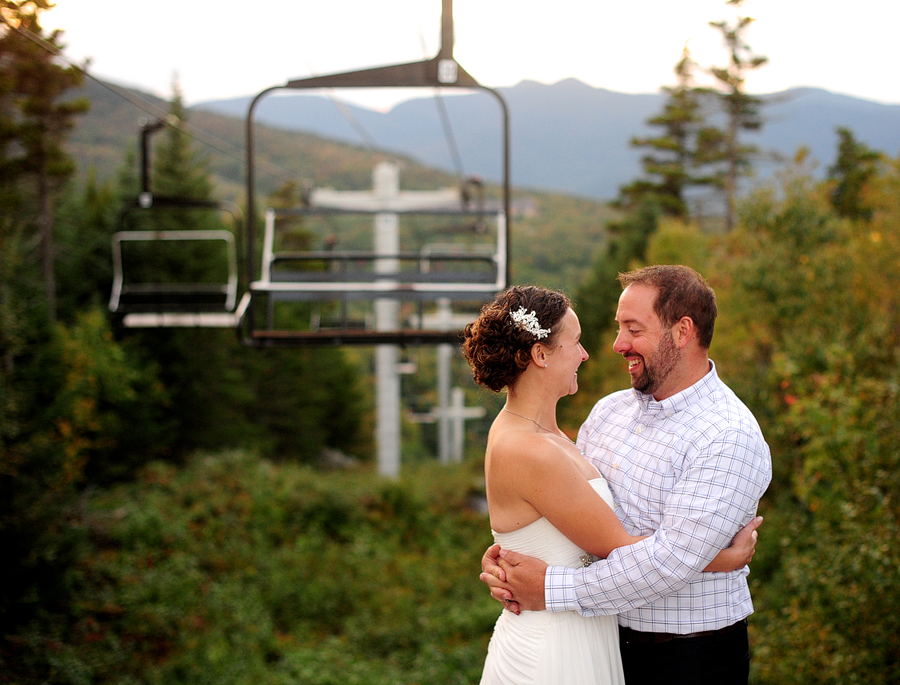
{"x": 497, "y": 347}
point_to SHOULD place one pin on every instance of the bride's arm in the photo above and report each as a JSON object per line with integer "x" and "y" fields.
{"x": 542, "y": 475}
{"x": 562, "y": 494}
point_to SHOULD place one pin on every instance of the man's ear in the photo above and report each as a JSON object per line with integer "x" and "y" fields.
{"x": 684, "y": 331}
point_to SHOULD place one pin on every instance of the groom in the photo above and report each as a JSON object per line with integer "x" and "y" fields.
{"x": 684, "y": 458}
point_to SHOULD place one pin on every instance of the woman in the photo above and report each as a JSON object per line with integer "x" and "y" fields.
{"x": 545, "y": 499}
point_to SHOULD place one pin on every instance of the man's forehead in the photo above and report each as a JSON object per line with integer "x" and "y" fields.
{"x": 636, "y": 304}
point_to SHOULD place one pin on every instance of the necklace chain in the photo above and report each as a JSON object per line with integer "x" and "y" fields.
{"x": 535, "y": 423}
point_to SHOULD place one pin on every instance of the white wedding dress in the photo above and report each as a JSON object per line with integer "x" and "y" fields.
{"x": 552, "y": 648}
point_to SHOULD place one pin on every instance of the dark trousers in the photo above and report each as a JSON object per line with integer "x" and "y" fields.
{"x": 719, "y": 658}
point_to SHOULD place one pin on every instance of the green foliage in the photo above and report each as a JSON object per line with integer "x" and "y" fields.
{"x": 70, "y": 391}
{"x": 237, "y": 570}
{"x": 231, "y": 568}
{"x": 855, "y": 165}
{"x": 107, "y": 410}
{"x": 835, "y": 599}
{"x": 85, "y": 223}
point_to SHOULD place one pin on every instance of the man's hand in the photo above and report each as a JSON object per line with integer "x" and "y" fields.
{"x": 515, "y": 579}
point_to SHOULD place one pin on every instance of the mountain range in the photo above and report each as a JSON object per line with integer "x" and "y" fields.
{"x": 567, "y": 137}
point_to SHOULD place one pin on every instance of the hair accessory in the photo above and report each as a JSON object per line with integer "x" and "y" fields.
{"x": 528, "y": 322}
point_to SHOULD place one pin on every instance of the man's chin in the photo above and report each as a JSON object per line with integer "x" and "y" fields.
{"x": 641, "y": 384}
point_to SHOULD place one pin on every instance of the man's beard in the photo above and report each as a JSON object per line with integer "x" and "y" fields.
{"x": 656, "y": 372}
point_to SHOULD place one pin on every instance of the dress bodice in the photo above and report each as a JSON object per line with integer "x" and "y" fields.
{"x": 541, "y": 540}
{"x": 544, "y": 648}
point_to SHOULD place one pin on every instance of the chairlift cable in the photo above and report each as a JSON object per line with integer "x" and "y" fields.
{"x": 355, "y": 123}
{"x": 350, "y": 118}
{"x": 444, "y": 116}
{"x": 148, "y": 107}
{"x": 448, "y": 134}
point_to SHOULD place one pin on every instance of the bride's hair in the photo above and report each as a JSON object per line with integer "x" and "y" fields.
{"x": 498, "y": 343}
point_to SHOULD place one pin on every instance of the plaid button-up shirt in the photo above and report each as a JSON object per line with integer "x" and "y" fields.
{"x": 689, "y": 472}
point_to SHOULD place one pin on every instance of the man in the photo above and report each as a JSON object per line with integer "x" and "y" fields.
{"x": 687, "y": 465}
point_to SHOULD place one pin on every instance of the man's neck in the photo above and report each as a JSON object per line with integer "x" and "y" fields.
{"x": 681, "y": 380}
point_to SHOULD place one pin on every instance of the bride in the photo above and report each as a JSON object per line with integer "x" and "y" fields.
{"x": 545, "y": 499}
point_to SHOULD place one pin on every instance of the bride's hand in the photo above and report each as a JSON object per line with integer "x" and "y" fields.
{"x": 495, "y": 577}
{"x": 741, "y": 550}
{"x": 525, "y": 579}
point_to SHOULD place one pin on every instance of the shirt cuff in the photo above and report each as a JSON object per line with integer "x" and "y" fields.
{"x": 559, "y": 589}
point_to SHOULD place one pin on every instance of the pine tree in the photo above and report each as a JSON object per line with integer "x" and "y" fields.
{"x": 34, "y": 121}
{"x": 672, "y": 160}
{"x": 178, "y": 169}
{"x": 723, "y": 147}
{"x": 855, "y": 166}
{"x": 39, "y": 469}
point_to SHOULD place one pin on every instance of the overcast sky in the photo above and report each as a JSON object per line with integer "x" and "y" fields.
{"x": 226, "y": 48}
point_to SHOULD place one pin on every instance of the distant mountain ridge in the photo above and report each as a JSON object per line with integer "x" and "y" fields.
{"x": 567, "y": 137}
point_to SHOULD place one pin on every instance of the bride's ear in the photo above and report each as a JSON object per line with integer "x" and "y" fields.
{"x": 539, "y": 355}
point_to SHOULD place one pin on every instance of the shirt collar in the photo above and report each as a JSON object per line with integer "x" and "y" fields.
{"x": 680, "y": 400}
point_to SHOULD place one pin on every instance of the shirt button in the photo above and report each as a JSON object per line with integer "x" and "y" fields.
{"x": 616, "y": 466}
{"x": 640, "y": 429}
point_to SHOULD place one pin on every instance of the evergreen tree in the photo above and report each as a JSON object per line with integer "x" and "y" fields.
{"x": 722, "y": 147}
{"x": 34, "y": 121}
{"x": 179, "y": 170}
{"x": 56, "y": 405}
{"x": 671, "y": 162}
{"x": 855, "y": 166}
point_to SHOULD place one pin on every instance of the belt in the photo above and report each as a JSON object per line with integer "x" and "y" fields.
{"x": 645, "y": 638}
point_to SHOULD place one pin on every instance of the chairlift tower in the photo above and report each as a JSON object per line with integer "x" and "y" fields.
{"x": 464, "y": 277}
{"x": 385, "y": 200}
{"x": 437, "y": 276}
